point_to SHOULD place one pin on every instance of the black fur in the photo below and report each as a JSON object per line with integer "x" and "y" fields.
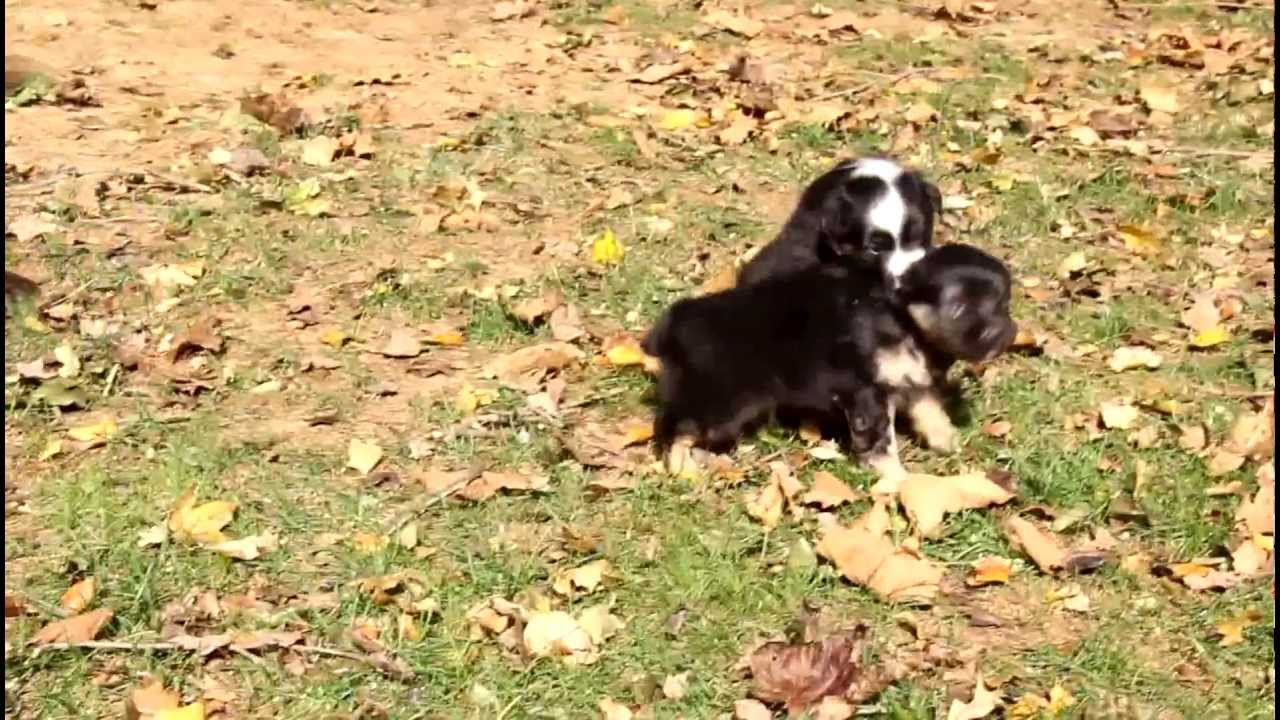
{"x": 830, "y": 223}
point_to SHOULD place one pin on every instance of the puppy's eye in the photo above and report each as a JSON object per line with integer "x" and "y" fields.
{"x": 879, "y": 242}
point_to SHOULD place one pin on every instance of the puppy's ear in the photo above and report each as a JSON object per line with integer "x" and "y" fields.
{"x": 935, "y": 197}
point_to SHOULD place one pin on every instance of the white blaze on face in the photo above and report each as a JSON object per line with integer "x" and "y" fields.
{"x": 889, "y": 213}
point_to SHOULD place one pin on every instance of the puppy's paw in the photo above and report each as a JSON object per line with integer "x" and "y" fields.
{"x": 942, "y": 438}
{"x": 891, "y": 472}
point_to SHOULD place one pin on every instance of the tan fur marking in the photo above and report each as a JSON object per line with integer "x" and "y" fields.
{"x": 931, "y": 423}
{"x": 902, "y": 366}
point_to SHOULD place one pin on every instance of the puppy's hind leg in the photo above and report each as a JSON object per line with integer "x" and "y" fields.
{"x": 883, "y": 456}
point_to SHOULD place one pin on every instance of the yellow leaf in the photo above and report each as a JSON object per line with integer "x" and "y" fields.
{"x": 1159, "y": 97}
{"x": 1127, "y": 358}
{"x": 451, "y": 338}
{"x": 202, "y": 524}
{"x": 194, "y": 711}
{"x": 96, "y": 433}
{"x": 32, "y": 323}
{"x": 765, "y": 505}
{"x": 678, "y": 119}
{"x": 1118, "y": 416}
{"x": 319, "y": 151}
{"x": 637, "y": 433}
{"x": 470, "y": 399}
{"x": 51, "y": 449}
{"x": 245, "y": 548}
{"x": 363, "y": 456}
{"x": 369, "y": 542}
{"x": 1059, "y": 699}
{"x": 1210, "y": 337}
{"x": 334, "y": 338}
{"x": 607, "y": 250}
{"x": 927, "y": 498}
{"x": 1140, "y": 240}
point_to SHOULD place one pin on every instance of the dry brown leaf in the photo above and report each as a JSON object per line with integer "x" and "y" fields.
{"x": 927, "y": 498}
{"x": 489, "y": 483}
{"x": 151, "y": 697}
{"x": 402, "y": 343}
{"x": 1222, "y": 462}
{"x": 1250, "y": 558}
{"x": 1193, "y": 438}
{"x": 14, "y": 605}
{"x": 658, "y": 72}
{"x": 1257, "y": 515}
{"x": 363, "y": 456}
{"x": 865, "y": 554}
{"x": 79, "y": 596}
{"x": 527, "y": 365}
{"x": 250, "y": 547}
{"x": 1159, "y": 97}
{"x": 998, "y": 428}
{"x": 920, "y": 112}
{"x": 614, "y": 710}
{"x": 765, "y": 504}
{"x": 1118, "y": 415}
{"x": 736, "y": 24}
{"x": 534, "y": 309}
{"x": 800, "y": 675}
{"x": 749, "y": 709}
{"x": 674, "y": 687}
{"x": 1252, "y": 433}
{"x": 584, "y": 579}
{"x": 75, "y": 629}
{"x": 1203, "y": 314}
{"x": 737, "y": 131}
{"x": 1042, "y": 547}
{"x": 828, "y": 491}
{"x": 1128, "y": 358}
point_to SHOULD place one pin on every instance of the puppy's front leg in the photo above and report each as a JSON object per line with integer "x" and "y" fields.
{"x": 931, "y": 421}
{"x": 883, "y": 456}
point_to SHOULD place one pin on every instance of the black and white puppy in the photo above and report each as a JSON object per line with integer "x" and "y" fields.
{"x": 800, "y": 341}
{"x": 870, "y": 211}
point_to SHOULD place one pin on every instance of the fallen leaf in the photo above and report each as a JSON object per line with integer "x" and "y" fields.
{"x": 1072, "y": 264}
{"x": 402, "y": 343}
{"x": 527, "y": 365}
{"x": 194, "y": 711}
{"x": 1231, "y": 630}
{"x": 1193, "y": 438}
{"x": 828, "y": 491}
{"x": 75, "y": 629}
{"x": 558, "y": 634}
{"x": 1257, "y": 514}
{"x": 534, "y": 309}
{"x": 607, "y": 249}
{"x": 1159, "y": 97}
{"x": 927, "y": 498}
{"x": 369, "y": 543}
{"x": 984, "y": 703}
{"x": 670, "y": 121}
{"x": 998, "y": 428}
{"x": 737, "y": 131}
{"x": 990, "y": 570}
{"x": 363, "y": 456}
{"x": 150, "y": 698}
{"x": 864, "y": 553}
{"x": 489, "y": 483}
{"x": 95, "y": 433}
{"x": 1087, "y": 137}
{"x": 658, "y": 72}
{"x": 637, "y": 433}
{"x": 1210, "y": 337}
{"x": 510, "y": 10}
{"x": 1128, "y": 358}
{"x": 202, "y": 335}
{"x": 1223, "y": 461}
{"x": 1042, "y": 547}
{"x": 751, "y": 710}
{"x": 1250, "y": 558}
{"x": 583, "y": 579}
{"x": 624, "y": 350}
{"x": 199, "y": 523}
{"x": 1118, "y": 415}
{"x": 800, "y": 675}
{"x": 765, "y": 504}
{"x": 736, "y": 24}
{"x": 250, "y": 547}
{"x": 66, "y": 356}
{"x": 674, "y": 687}
{"x": 920, "y": 112}
{"x": 79, "y": 596}
{"x": 1203, "y": 314}
{"x": 613, "y": 710}
{"x": 29, "y": 227}
{"x": 319, "y": 151}
{"x": 1252, "y": 434}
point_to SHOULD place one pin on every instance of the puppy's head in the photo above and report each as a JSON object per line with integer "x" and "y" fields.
{"x": 958, "y": 297}
{"x": 873, "y": 211}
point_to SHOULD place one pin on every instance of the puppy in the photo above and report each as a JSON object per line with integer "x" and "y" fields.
{"x": 871, "y": 211}
{"x": 951, "y": 305}
{"x": 800, "y": 341}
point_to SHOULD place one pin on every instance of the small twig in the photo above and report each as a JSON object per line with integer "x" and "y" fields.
{"x": 63, "y": 298}
{"x": 177, "y": 182}
{"x": 472, "y": 473}
{"x": 168, "y": 647}
{"x": 859, "y": 89}
{"x": 1214, "y": 152}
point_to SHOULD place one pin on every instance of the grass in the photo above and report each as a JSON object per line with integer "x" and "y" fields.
{"x": 677, "y": 549}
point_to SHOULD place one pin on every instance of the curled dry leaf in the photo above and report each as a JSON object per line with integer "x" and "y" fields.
{"x": 674, "y": 687}
{"x": 1203, "y": 314}
{"x": 79, "y": 596}
{"x": 535, "y": 309}
{"x": 489, "y": 483}
{"x": 149, "y": 698}
{"x": 749, "y": 709}
{"x": 614, "y": 710}
{"x": 1042, "y": 547}
{"x": 765, "y": 504}
{"x": 402, "y": 343}
{"x": 1257, "y": 515}
{"x": 1222, "y": 462}
{"x": 575, "y": 640}
{"x": 202, "y": 335}
{"x": 250, "y": 547}
{"x": 528, "y": 365}
{"x": 736, "y": 24}
{"x": 624, "y": 349}
{"x": 866, "y": 555}
{"x": 1231, "y": 630}
{"x": 800, "y": 675}
{"x": 1118, "y": 415}
{"x": 189, "y": 522}
{"x": 1253, "y": 434}
{"x": 928, "y": 497}
{"x": 75, "y": 629}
